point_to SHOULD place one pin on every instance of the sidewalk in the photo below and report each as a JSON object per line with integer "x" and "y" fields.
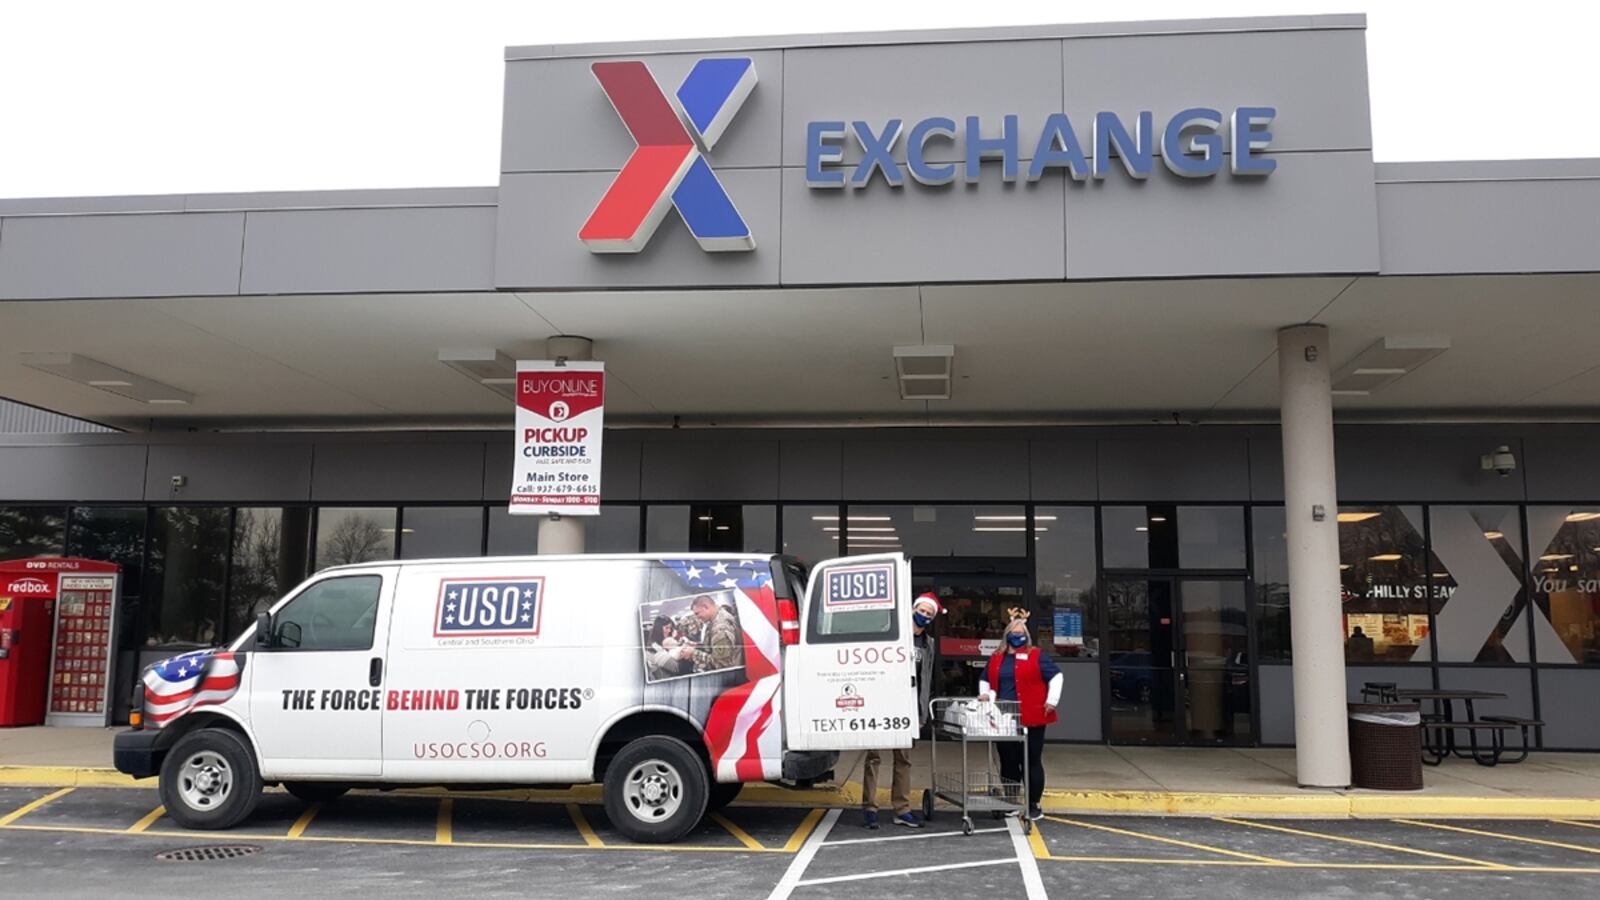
{"x": 1079, "y": 778}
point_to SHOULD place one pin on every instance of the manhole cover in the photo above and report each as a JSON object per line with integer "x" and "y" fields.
{"x": 208, "y": 854}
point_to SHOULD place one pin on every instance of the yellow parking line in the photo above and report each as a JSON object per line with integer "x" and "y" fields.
{"x": 1509, "y": 837}
{"x": 1577, "y": 823}
{"x": 798, "y": 839}
{"x": 401, "y": 842}
{"x": 589, "y": 837}
{"x": 148, "y": 820}
{"x": 1362, "y": 843}
{"x": 300, "y": 824}
{"x": 442, "y": 829}
{"x": 1173, "y": 841}
{"x": 26, "y": 808}
{"x": 1406, "y": 867}
{"x": 743, "y": 836}
{"x": 1041, "y": 850}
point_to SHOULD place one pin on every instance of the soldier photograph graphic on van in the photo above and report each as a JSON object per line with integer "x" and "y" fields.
{"x": 697, "y": 634}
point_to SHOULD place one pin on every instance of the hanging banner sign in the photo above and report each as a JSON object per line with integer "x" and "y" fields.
{"x": 560, "y": 415}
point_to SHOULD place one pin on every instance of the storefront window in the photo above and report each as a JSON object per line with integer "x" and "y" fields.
{"x": 28, "y": 531}
{"x": 1271, "y": 575}
{"x": 807, "y": 534}
{"x": 1064, "y": 580}
{"x": 711, "y": 527}
{"x": 189, "y": 550}
{"x": 1174, "y": 537}
{"x": 351, "y": 535}
{"x": 1478, "y": 593}
{"x": 440, "y": 532}
{"x": 114, "y": 535}
{"x": 1566, "y": 582}
{"x": 271, "y": 553}
{"x": 1384, "y": 579}
{"x": 615, "y": 530}
{"x": 937, "y": 530}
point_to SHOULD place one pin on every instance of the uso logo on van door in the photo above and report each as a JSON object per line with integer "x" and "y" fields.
{"x": 489, "y": 607}
{"x": 852, "y": 588}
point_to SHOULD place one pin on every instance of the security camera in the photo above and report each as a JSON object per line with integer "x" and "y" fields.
{"x": 179, "y": 481}
{"x": 1502, "y": 461}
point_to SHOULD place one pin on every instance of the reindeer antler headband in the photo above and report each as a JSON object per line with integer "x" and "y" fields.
{"x": 1017, "y": 614}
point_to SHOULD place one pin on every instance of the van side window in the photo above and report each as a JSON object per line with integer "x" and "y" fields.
{"x": 336, "y": 614}
{"x": 849, "y": 621}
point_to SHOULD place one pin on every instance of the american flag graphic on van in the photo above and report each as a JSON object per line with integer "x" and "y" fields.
{"x": 744, "y": 729}
{"x": 175, "y": 686}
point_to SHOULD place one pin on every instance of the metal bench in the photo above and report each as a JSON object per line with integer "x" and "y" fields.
{"x": 1522, "y": 723}
{"x": 1437, "y": 744}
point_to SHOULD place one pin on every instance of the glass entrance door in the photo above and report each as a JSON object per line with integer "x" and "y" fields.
{"x": 975, "y": 593}
{"x": 1177, "y": 660}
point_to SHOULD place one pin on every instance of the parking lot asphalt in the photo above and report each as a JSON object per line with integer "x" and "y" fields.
{"x": 98, "y": 841}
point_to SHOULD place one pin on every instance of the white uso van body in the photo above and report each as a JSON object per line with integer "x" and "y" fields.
{"x": 671, "y": 679}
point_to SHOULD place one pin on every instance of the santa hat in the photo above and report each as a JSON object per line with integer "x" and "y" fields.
{"x": 928, "y": 598}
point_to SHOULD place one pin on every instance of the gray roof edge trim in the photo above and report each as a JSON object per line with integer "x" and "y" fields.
{"x": 1064, "y": 31}
{"x": 264, "y": 201}
{"x": 1487, "y": 170}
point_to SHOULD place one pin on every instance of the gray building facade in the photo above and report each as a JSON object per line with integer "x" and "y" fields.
{"x": 1109, "y": 452}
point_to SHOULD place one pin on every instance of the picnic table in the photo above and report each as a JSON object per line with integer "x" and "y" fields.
{"x": 1439, "y": 729}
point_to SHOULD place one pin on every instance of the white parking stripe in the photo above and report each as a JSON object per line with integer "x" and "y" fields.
{"x": 808, "y": 850}
{"x": 1025, "y": 859}
{"x": 908, "y": 837}
{"x": 917, "y": 871}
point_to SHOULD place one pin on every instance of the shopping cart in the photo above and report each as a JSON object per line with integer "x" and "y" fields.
{"x": 978, "y": 786}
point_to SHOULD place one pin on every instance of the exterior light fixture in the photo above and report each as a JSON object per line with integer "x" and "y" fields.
{"x": 103, "y": 377}
{"x": 1385, "y": 557}
{"x": 1386, "y": 362}
{"x": 486, "y": 366}
{"x": 924, "y": 370}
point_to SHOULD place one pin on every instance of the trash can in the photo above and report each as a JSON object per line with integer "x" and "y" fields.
{"x": 1386, "y": 746}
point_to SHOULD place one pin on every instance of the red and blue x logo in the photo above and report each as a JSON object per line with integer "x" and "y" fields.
{"x": 669, "y": 167}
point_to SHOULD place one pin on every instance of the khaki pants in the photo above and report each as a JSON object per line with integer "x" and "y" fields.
{"x": 899, "y": 786}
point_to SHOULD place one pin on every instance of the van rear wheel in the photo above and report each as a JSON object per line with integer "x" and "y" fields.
{"x": 210, "y": 780}
{"x": 656, "y": 790}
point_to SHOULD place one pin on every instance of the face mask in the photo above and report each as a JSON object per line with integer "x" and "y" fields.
{"x": 1017, "y": 640}
{"x": 921, "y": 620}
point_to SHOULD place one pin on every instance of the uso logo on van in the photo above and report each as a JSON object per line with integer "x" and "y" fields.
{"x": 489, "y": 607}
{"x": 860, "y": 587}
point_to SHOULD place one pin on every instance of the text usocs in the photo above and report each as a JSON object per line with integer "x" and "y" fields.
{"x": 871, "y": 656}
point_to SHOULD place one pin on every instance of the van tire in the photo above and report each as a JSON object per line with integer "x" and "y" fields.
{"x": 722, "y": 794}
{"x": 315, "y": 791}
{"x": 656, "y": 790}
{"x": 210, "y": 780}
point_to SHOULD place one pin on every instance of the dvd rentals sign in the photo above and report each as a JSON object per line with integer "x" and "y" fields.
{"x": 560, "y": 415}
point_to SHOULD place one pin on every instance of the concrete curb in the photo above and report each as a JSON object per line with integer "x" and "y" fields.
{"x": 1307, "y": 804}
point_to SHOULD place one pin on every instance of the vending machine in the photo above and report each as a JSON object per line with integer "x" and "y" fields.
{"x": 58, "y": 635}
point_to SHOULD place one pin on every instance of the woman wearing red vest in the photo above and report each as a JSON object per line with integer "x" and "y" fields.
{"x": 1021, "y": 672}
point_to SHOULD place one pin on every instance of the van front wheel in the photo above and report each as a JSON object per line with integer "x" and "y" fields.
{"x": 209, "y": 780}
{"x": 656, "y": 790}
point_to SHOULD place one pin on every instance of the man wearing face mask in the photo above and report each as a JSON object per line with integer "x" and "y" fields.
{"x": 923, "y": 612}
{"x": 1021, "y": 672}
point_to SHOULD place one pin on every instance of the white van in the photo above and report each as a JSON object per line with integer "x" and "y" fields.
{"x": 670, "y": 679}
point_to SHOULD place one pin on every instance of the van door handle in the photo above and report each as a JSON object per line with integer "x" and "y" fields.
{"x": 375, "y": 672}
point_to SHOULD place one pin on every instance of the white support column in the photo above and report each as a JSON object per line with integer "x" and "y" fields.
{"x": 1322, "y": 753}
{"x": 558, "y": 534}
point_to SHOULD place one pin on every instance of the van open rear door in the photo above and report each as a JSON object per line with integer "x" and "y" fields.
{"x": 848, "y": 682}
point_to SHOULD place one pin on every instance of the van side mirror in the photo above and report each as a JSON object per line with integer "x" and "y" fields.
{"x": 264, "y": 631}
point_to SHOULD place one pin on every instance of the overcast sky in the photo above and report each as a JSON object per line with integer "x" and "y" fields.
{"x": 242, "y": 95}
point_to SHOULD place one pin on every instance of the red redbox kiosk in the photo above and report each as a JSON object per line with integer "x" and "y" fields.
{"x": 57, "y": 640}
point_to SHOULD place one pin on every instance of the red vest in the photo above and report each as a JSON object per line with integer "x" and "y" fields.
{"x": 1032, "y": 692}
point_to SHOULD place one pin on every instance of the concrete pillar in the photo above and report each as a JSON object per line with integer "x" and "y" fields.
{"x": 562, "y": 535}
{"x": 1311, "y": 508}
